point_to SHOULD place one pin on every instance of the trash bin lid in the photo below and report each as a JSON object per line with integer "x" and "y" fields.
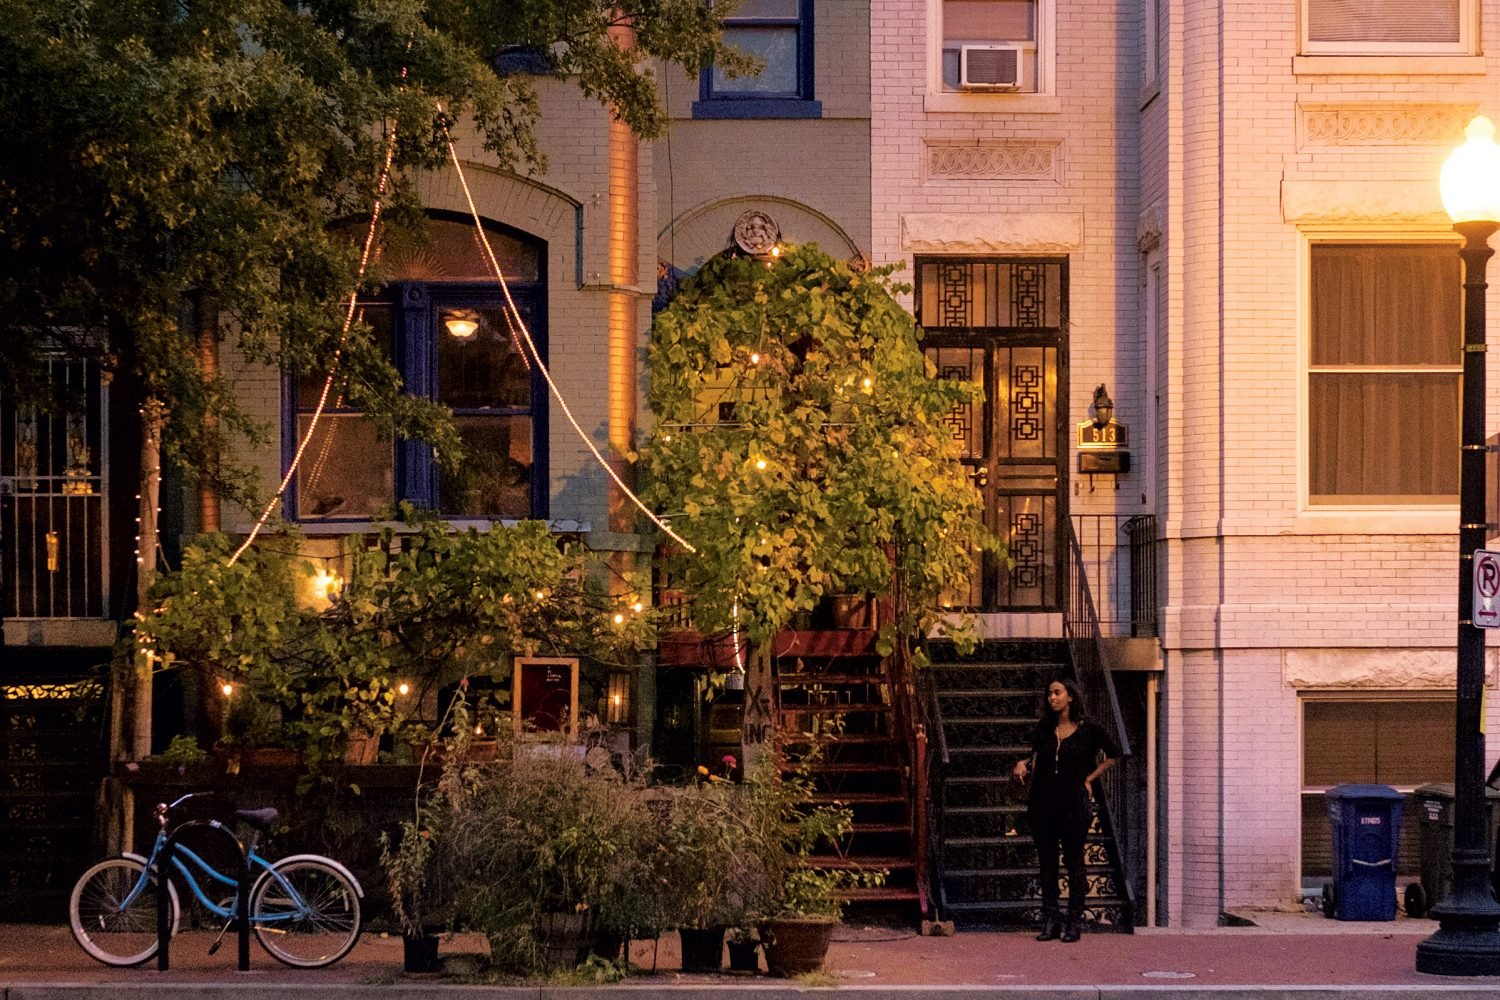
{"x": 1363, "y": 792}
{"x": 1444, "y": 790}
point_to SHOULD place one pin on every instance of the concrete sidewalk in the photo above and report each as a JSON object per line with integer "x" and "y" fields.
{"x": 1287, "y": 955}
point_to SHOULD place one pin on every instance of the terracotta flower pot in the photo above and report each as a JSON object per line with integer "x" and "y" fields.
{"x": 362, "y": 748}
{"x": 795, "y": 945}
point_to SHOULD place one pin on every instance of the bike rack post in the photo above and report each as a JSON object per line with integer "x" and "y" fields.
{"x": 163, "y": 909}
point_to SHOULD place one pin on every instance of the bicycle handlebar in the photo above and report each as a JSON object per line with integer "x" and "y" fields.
{"x": 163, "y": 808}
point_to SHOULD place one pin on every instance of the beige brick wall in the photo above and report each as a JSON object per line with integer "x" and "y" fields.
{"x": 569, "y": 208}
{"x": 811, "y": 175}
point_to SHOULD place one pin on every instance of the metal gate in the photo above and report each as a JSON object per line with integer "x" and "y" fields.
{"x": 1001, "y": 325}
{"x": 52, "y": 756}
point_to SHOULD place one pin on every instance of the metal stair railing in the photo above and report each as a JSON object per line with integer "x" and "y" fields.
{"x": 1081, "y": 628}
{"x": 937, "y": 772}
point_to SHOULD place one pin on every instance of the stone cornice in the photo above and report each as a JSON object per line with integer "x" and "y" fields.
{"x": 991, "y": 232}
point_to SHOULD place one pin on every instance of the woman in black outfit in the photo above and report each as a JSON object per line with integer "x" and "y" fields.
{"x": 1064, "y": 762}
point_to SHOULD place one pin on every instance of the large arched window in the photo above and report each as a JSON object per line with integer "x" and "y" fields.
{"x": 443, "y": 316}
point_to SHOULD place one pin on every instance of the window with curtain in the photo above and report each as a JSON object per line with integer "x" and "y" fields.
{"x": 1384, "y": 372}
{"x": 984, "y": 25}
{"x": 1388, "y": 27}
{"x": 1400, "y": 743}
{"x": 780, "y": 34}
{"x": 443, "y": 319}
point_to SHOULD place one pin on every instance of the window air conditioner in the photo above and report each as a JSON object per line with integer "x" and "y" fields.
{"x": 989, "y": 67}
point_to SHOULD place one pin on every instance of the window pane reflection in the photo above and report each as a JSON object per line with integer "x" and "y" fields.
{"x": 495, "y": 480}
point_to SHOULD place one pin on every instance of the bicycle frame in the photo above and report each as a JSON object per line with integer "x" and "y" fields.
{"x": 181, "y": 854}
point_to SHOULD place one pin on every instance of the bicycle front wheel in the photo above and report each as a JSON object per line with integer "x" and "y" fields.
{"x": 107, "y": 922}
{"x": 305, "y": 912}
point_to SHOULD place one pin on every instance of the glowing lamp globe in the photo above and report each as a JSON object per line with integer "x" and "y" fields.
{"x": 1470, "y": 181}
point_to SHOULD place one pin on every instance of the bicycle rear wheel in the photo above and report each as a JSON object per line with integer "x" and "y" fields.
{"x": 105, "y": 925}
{"x": 305, "y": 912}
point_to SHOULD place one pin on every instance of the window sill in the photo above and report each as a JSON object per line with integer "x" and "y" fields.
{"x": 1388, "y": 65}
{"x": 756, "y": 107}
{"x": 1384, "y": 521}
{"x": 1016, "y": 104}
{"x": 1148, "y": 93}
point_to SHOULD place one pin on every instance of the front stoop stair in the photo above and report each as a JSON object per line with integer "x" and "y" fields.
{"x": 986, "y": 708}
{"x": 833, "y": 689}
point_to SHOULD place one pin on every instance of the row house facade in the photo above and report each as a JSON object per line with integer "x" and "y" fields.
{"x": 1242, "y": 204}
{"x": 1192, "y": 252}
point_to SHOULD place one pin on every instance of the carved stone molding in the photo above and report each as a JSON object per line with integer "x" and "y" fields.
{"x": 991, "y": 232}
{"x": 1389, "y": 124}
{"x": 1345, "y": 202}
{"x": 1005, "y": 159}
{"x": 1377, "y": 669}
{"x": 1149, "y": 226}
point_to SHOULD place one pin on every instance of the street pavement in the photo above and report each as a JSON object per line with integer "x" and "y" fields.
{"x": 1286, "y": 956}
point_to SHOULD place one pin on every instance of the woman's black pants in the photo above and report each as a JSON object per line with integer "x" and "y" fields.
{"x": 1065, "y": 825}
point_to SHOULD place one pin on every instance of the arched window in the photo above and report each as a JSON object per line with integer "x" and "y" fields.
{"x": 443, "y": 316}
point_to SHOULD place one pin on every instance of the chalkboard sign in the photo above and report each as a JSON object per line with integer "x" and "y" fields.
{"x": 545, "y": 698}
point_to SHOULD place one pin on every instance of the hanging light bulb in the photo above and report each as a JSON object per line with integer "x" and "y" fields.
{"x": 760, "y": 463}
{"x": 326, "y": 585}
{"x": 754, "y": 358}
{"x": 227, "y": 689}
{"x": 403, "y": 689}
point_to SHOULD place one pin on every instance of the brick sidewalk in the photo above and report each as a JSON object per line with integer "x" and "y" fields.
{"x": 1299, "y": 953}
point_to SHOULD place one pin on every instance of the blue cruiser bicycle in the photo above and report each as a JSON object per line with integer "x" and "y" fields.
{"x": 304, "y": 909}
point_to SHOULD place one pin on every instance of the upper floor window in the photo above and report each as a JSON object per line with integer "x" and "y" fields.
{"x": 1388, "y": 27}
{"x": 1384, "y": 371}
{"x": 991, "y": 45}
{"x": 444, "y": 321}
{"x": 780, "y": 34}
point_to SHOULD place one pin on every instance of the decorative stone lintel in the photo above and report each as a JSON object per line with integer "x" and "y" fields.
{"x": 1383, "y": 124}
{"x": 1331, "y": 201}
{"x": 1005, "y": 159}
{"x": 1149, "y": 226}
{"x": 991, "y": 232}
{"x": 1377, "y": 669}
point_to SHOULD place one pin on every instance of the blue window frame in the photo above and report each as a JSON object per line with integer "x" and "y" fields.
{"x": 446, "y": 330}
{"x": 780, "y": 32}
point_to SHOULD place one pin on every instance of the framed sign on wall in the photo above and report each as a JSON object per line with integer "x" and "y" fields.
{"x": 544, "y": 698}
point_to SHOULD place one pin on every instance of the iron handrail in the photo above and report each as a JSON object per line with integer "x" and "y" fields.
{"x": 1081, "y": 627}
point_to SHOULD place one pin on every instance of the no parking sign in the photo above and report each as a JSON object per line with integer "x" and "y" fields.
{"x": 1486, "y": 589}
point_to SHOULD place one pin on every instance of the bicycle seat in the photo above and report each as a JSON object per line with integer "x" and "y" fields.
{"x": 261, "y": 819}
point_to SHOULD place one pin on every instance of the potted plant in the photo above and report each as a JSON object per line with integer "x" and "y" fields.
{"x": 744, "y": 950}
{"x": 801, "y": 904}
{"x": 711, "y": 865}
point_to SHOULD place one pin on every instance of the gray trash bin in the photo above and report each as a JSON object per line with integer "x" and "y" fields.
{"x": 1435, "y": 822}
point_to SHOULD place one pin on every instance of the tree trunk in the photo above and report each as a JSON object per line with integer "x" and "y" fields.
{"x": 153, "y": 417}
{"x": 759, "y": 733}
{"x": 206, "y": 318}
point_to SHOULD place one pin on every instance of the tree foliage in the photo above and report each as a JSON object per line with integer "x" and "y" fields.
{"x": 153, "y": 150}
{"x": 421, "y": 605}
{"x": 800, "y": 445}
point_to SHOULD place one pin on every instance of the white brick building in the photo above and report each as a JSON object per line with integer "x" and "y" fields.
{"x": 1207, "y": 172}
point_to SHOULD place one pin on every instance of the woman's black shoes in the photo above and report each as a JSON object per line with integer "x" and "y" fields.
{"x": 1051, "y": 929}
{"x": 1074, "y": 931}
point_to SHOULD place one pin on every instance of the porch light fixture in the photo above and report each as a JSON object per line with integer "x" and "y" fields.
{"x": 461, "y": 324}
{"x": 1467, "y": 941}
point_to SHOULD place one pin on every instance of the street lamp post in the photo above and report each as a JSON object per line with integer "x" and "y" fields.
{"x": 1467, "y": 942}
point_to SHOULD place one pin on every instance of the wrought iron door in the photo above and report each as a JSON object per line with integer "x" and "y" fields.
{"x": 1001, "y": 325}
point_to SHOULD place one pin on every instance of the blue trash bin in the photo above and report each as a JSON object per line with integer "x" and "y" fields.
{"x": 1366, "y": 822}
